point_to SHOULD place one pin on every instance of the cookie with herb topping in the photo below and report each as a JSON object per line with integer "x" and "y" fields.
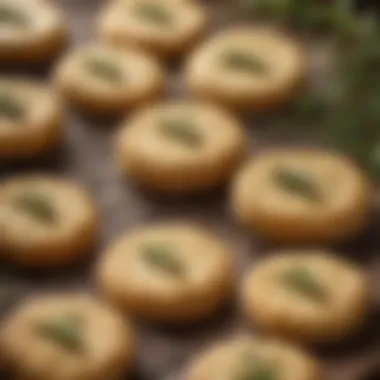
{"x": 311, "y": 296}
{"x": 45, "y": 221}
{"x": 107, "y": 80}
{"x": 31, "y": 31}
{"x": 244, "y": 358}
{"x": 246, "y": 68}
{"x": 170, "y": 273}
{"x": 180, "y": 148}
{"x": 163, "y": 27}
{"x": 301, "y": 196}
{"x": 67, "y": 337}
{"x": 30, "y": 119}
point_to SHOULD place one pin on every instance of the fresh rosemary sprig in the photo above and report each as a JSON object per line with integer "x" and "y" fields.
{"x": 254, "y": 368}
{"x": 181, "y": 130}
{"x": 163, "y": 257}
{"x": 9, "y": 15}
{"x": 239, "y": 60}
{"x": 104, "y": 69}
{"x": 65, "y": 331}
{"x": 303, "y": 281}
{"x": 297, "y": 183}
{"x": 309, "y": 15}
{"x": 36, "y": 205}
{"x": 153, "y": 12}
{"x": 10, "y": 106}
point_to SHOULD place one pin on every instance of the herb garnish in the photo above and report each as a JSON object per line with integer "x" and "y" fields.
{"x": 243, "y": 61}
{"x": 181, "y": 130}
{"x": 154, "y": 12}
{"x": 65, "y": 331}
{"x": 303, "y": 281}
{"x": 9, "y": 15}
{"x": 297, "y": 183}
{"x": 163, "y": 257}
{"x": 37, "y": 205}
{"x": 104, "y": 69}
{"x": 254, "y": 368}
{"x": 10, "y": 106}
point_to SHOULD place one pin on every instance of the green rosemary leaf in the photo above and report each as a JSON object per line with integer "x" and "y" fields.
{"x": 104, "y": 69}
{"x": 163, "y": 257}
{"x": 243, "y": 61}
{"x": 154, "y": 12}
{"x": 303, "y": 281}
{"x": 36, "y": 205}
{"x": 182, "y": 131}
{"x": 254, "y": 368}
{"x": 296, "y": 183}
{"x": 11, "y": 16}
{"x": 65, "y": 331}
{"x": 10, "y": 106}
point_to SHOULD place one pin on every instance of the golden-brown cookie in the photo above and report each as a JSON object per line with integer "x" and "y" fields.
{"x": 163, "y": 27}
{"x": 170, "y": 273}
{"x": 181, "y": 147}
{"x": 45, "y": 221}
{"x": 311, "y": 296}
{"x": 249, "y": 358}
{"x": 301, "y": 196}
{"x": 30, "y": 31}
{"x": 67, "y": 337}
{"x": 107, "y": 80}
{"x": 247, "y": 68}
{"x": 30, "y": 119}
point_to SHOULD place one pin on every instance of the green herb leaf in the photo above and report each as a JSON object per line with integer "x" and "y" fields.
{"x": 10, "y": 106}
{"x": 65, "y": 331}
{"x": 297, "y": 183}
{"x": 36, "y": 205}
{"x": 303, "y": 281}
{"x": 254, "y": 368}
{"x": 242, "y": 61}
{"x": 163, "y": 257}
{"x": 104, "y": 69}
{"x": 154, "y": 12}
{"x": 182, "y": 131}
{"x": 11, "y": 16}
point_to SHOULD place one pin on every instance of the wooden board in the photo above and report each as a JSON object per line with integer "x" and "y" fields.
{"x": 86, "y": 156}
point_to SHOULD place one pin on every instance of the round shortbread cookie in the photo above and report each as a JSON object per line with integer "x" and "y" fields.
{"x": 30, "y": 31}
{"x": 30, "y": 119}
{"x": 67, "y": 337}
{"x": 301, "y": 196}
{"x": 180, "y": 147}
{"x": 311, "y": 296}
{"x": 45, "y": 221}
{"x": 246, "y": 68}
{"x": 169, "y": 273}
{"x": 163, "y": 27}
{"x": 107, "y": 80}
{"x": 249, "y": 358}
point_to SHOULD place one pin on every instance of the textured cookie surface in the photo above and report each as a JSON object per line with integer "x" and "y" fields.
{"x": 245, "y": 358}
{"x": 163, "y": 27}
{"x": 246, "y": 68}
{"x": 45, "y": 221}
{"x": 180, "y": 147}
{"x": 30, "y": 119}
{"x": 109, "y": 80}
{"x": 311, "y": 296}
{"x": 67, "y": 337}
{"x": 299, "y": 196}
{"x": 170, "y": 273}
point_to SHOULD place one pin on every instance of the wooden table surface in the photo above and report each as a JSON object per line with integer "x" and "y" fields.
{"x": 86, "y": 156}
